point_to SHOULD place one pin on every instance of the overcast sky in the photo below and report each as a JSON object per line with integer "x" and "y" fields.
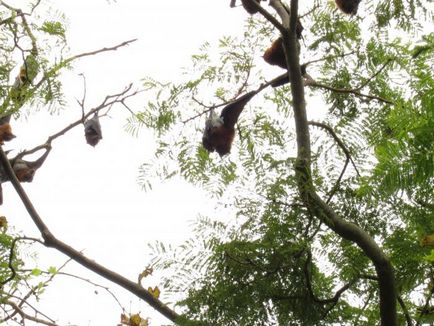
{"x": 89, "y": 197}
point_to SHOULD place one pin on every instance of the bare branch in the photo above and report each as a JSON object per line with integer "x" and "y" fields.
{"x": 16, "y": 308}
{"x": 108, "y": 101}
{"x": 268, "y": 16}
{"x": 209, "y": 108}
{"x": 374, "y": 75}
{"x": 51, "y": 241}
{"x": 333, "y": 300}
{"x": 405, "y": 311}
{"x": 348, "y": 91}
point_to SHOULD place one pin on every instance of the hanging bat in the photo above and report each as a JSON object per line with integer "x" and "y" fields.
{"x": 247, "y": 5}
{"x": 92, "y": 130}
{"x": 348, "y": 6}
{"x": 275, "y": 54}
{"x": 219, "y": 131}
{"x": 6, "y": 133}
{"x": 25, "y": 170}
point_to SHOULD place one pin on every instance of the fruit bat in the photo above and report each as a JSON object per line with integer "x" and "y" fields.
{"x": 92, "y": 130}
{"x": 247, "y": 5}
{"x": 348, "y": 6}
{"x": 275, "y": 54}
{"x": 24, "y": 170}
{"x": 219, "y": 131}
{"x": 6, "y": 133}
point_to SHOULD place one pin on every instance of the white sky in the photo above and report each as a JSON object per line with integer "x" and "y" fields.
{"x": 89, "y": 197}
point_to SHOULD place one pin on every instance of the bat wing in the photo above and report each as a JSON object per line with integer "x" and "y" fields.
{"x": 232, "y": 111}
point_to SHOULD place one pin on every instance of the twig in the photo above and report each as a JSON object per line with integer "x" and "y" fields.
{"x": 427, "y": 302}
{"x": 338, "y": 293}
{"x": 368, "y": 299}
{"x": 109, "y": 100}
{"x": 329, "y": 57}
{"x": 23, "y": 300}
{"x": 58, "y": 272}
{"x": 346, "y": 152}
{"x": 209, "y": 108}
{"x": 84, "y": 96}
{"x": 348, "y": 91}
{"x": 310, "y": 11}
{"x": 374, "y": 75}
{"x": 405, "y": 311}
{"x": 268, "y": 16}
{"x": 11, "y": 258}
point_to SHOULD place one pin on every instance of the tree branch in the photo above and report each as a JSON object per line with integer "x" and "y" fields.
{"x": 310, "y": 198}
{"x": 355, "y": 92}
{"x": 346, "y": 152}
{"x": 16, "y": 308}
{"x": 51, "y": 241}
{"x": 108, "y": 101}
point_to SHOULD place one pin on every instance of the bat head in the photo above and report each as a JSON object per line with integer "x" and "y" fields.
{"x": 23, "y": 172}
{"x": 6, "y": 132}
{"x": 349, "y": 7}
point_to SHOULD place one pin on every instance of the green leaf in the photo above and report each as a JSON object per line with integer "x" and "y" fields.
{"x": 36, "y": 272}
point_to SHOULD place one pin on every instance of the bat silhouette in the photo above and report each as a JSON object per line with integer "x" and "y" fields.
{"x": 92, "y": 130}
{"x": 348, "y": 6}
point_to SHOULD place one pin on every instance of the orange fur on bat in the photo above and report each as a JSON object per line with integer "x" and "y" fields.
{"x": 6, "y": 133}
{"x": 25, "y": 174}
{"x": 23, "y": 171}
{"x": 348, "y": 6}
{"x": 219, "y": 138}
{"x": 275, "y": 55}
{"x": 219, "y": 130}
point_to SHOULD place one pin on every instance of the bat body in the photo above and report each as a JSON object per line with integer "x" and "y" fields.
{"x": 348, "y": 6}
{"x": 23, "y": 171}
{"x": 249, "y": 7}
{"x": 275, "y": 54}
{"x": 219, "y": 131}
{"x": 6, "y": 133}
{"x": 92, "y": 131}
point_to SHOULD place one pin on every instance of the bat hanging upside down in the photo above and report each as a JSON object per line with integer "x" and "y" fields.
{"x": 349, "y": 7}
{"x": 219, "y": 131}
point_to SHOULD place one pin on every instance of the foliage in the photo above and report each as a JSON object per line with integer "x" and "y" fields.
{"x": 266, "y": 259}
{"x": 269, "y": 261}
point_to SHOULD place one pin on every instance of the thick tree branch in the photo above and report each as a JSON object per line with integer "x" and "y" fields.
{"x": 313, "y": 202}
{"x": 51, "y": 241}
